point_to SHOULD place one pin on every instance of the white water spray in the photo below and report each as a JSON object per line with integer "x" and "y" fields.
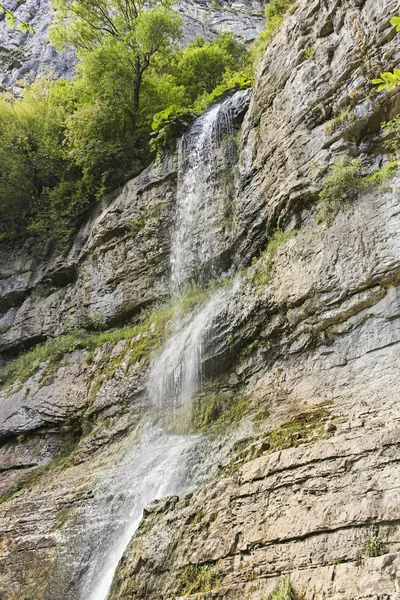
{"x": 157, "y": 466}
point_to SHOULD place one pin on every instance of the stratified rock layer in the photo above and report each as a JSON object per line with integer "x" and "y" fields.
{"x": 305, "y": 481}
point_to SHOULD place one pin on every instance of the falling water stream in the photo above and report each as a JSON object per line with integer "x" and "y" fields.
{"x": 156, "y": 464}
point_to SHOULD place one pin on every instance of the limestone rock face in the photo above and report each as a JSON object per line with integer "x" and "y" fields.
{"x": 301, "y": 476}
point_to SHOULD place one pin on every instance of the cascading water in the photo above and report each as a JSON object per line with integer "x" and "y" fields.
{"x": 154, "y": 468}
{"x": 157, "y": 464}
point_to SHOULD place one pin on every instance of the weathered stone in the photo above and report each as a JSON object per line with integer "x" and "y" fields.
{"x": 306, "y": 482}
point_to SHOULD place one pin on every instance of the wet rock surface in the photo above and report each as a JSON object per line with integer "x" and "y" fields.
{"x": 304, "y": 480}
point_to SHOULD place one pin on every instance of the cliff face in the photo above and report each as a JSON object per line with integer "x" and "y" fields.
{"x": 297, "y": 468}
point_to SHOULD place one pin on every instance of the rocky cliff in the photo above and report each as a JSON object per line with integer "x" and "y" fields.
{"x": 294, "y": 429}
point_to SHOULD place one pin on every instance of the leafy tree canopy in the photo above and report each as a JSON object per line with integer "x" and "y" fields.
{"x": 64, "y": 143}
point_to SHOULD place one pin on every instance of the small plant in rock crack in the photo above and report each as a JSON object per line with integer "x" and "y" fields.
{"x": 309, "y": 53}
{"x": 373, "y": 545}
{"x": 392, "y": 133}
{"x": 284, "y": 592}
{"x": 344, "y": 182}
{"x": 98, "y": 320}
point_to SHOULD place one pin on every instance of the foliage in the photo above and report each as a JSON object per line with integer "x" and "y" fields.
{"x": 168, "y": 125}
{"x": 345, "y": 181}
{"x": 232, "y": 81}
{"x": 373, "y": 546}
{"x": 12, "y": 20}
{"x": 392, "y": 131}
{"x": 41, "y": 189}
{"x": 389, "y": 80}
{"x": 284, "y": 592}
{"x": 65, "y": 143}
{"x": 276, "y": 12}
{"x": 201, "y": 66}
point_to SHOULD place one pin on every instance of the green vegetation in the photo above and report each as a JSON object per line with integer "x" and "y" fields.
{"x": 142, "y": 338}
{"x": 344, "y": 117}
{"x": 261, "y": 275}
{"x": 65, "y": 143}
{"x": 284, "y": 592}
{"x": 13, "y": 20}
{"x": 168, "y": 125}
{"x": 276, "y": 12}
{"x": 373, "y": 546}
{"x": 152, "y": 329}
{"x": 30, "y": 480}
{"x": 212, "y": 414}
{"x": 344, "y": 182}
{"x": 217, "y": 413}
{"x": 309, "y": 53}
{"x": 197, "y": 578}
{"x": 302, "y": 428}
{"x": 389, "y": 80}
{"x": 392, "y": 130}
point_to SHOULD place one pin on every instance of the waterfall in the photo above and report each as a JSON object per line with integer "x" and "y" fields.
{"x": 154, "y": 468}
{"x": 156, "y": 464}
{"x": 192, "y": 243}
{"x": 198, "y": 215}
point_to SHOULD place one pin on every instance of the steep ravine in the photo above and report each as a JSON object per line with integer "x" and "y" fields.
{"x": 295, "y": 421}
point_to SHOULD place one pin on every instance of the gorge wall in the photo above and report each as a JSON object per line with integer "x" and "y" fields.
{"x": 292, "y": 444}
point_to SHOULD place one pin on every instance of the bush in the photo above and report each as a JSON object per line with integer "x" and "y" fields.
{"x": 275, "y": 13}
{"x": 345, "y": 181}
{"x": 168, "y": 125}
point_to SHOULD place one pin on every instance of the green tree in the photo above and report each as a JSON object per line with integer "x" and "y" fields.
{"x": 201, "y": 66}
{"x": 40, "y": 188}
{"x": 65, "y": 143}
{"x": 145, "y": 31}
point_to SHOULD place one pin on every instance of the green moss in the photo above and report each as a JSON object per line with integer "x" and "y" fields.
{"x": 151, "y": 327}
{"x": 212, "y": 414}
{"x": 197, "y": 578}
{"x": 217, "y": 413}
{"x": 309, "y": 53}
{"x": 135, "y": 225}
{"x": 262, "y": 273}
{"x": 303, "y": 428}
{"x": 262, "y": 415}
